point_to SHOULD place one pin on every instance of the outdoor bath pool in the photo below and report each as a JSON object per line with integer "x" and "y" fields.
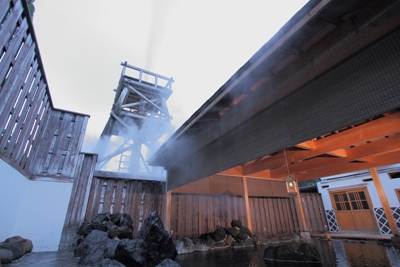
{"x": 333, "y": 253}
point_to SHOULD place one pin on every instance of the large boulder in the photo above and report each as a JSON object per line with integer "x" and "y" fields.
{"x": 6, "y": 256}
{"x": 17, "y": 248}
{"x": 219, "y": 234}
{"x": 91, "y": 250}
{"x": 117, "y": 225}
{"x": 184, "y": 246}
{"x": 234, "y": 231}
{"x": 236, "y": 223}
{"x": 27, "y": 244}
{"x": 132, "y": 252}
{"x": 89, "y": 226}
{"x": 246, "y": 231}
{"x": 158, "y": 241}
{"x": 121, "y": 219}
{"x": 293, "y": 252}
{"x": 110, "y": 263}
{"x": 168, "y": 263}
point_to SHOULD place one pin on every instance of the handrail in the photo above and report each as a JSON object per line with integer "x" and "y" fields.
{"x": 156, "y": 76}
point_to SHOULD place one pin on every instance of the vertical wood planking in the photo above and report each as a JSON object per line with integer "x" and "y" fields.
{"x": 174, "y": 215}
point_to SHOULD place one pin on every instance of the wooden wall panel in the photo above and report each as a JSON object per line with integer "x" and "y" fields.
{"x": 314, "y": 212}
{"x": 135, "y": 197}
{"x": 80, "y": 191}
{"x": 193, "y": 214}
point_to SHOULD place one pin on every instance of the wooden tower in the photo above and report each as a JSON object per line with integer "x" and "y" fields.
{"x": 139, "y": 122}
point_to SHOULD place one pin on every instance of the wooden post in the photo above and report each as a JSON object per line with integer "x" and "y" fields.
{"x": 167, "y": 222}
{"x": 384, "y": 201}
{"x": 246, "y": 203}
{"x": 303, "y": 223}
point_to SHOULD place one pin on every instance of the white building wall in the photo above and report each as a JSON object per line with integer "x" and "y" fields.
{"x": 32, "y": 209}
{"x": 351, "y": 180}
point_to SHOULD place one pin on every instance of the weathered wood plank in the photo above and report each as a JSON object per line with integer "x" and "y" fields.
{"x": 9, "y": 56}
{"x": 20, "y": 67}
{"x": 9, "y": 25}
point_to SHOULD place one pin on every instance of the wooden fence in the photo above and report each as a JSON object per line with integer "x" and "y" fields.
{"x": 195, "y": 214}
{"x": 93, "y": 195}
{"x": 314, "y": 212}
{"x": 35, "y": 138}
{"x": 272, "y": 217}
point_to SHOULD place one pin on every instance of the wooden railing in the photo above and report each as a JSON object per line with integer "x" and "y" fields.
{"x": 35, "y": 138}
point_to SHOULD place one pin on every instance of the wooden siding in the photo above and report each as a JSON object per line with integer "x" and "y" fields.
{"x": 272, "y": 217}
{"x": 80, "y": 191}
{"x": 314, "y": 212}
{"x": 233, "y": 185}
{"x": 137, "y": 198}
{"x": 35, "y": 138}
{"x": 193, "y": 215}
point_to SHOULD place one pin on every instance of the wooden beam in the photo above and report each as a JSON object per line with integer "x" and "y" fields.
{"x": 235, "y": 171}
{"x": 310, "y": 145}
{"x": 384, "y": 201}
{"x": 341, "y": 153}
{"x": 246, "y": 203}
{"x": 363, "y": 152}
{"x": 376, "y": 161}
{"x": 386, "y": 126}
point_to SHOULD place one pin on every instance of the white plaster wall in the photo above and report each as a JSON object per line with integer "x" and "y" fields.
{"x": 388, "y": 184}
{"x": 32, "y": 209}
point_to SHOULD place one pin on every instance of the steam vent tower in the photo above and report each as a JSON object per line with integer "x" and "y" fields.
{"x": 139, "y": 122}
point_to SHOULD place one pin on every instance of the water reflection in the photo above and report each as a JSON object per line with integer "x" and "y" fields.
{"x": 333, "y": 253}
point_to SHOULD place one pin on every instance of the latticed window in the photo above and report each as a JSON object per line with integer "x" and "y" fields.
{"x": 351, "y": 201}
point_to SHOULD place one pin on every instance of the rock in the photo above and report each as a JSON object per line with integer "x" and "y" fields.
{"x": 110, "y": 263}
{"x": 202, "y": 247}
{"x": 228, "y": 241}
{"x": 158, "y": 240}
{"x": 89, "y": 226}
{"x": 241, "y": 236}
{"x": 110, "y": 248}
{"x": 17, "y": 248}
{"x": 27, "y": 244}
{"x": 198, "y": 241}
{"x": 236, "y": 223}
{"x": 91, "y": 250}
{"x": 184, "y": 246}
{"x": 299, "y": 252}
{"x": 168, "y": 263}
{"x": 6, "y": 256}
{"x": 121, "y": 219}
{"x": 243, "y": 243}
{"x": 234, "y": 231}
{"x": 296, "y": 238}
{"x": 101, "y": 217}
{"x": 220, "y": 245}
{"x": 245, "y": 230}
{"x": 219, "y": 234}
{"x": 209, "y": 241}
{"x": 132, "y": 252}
